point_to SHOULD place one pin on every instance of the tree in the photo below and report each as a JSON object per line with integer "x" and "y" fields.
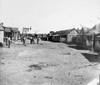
{"x": 51, "y": 32}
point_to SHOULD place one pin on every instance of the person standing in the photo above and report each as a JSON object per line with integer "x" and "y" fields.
{"x": 37, "y": 39}
{"x": 6, "y": 40}
{"x": 23, "y": 39}
{"x": 31, "y": 40}
{"x": 9, "y": 42}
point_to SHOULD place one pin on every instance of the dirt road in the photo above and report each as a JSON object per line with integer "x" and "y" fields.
{"x": 45, "y": 64}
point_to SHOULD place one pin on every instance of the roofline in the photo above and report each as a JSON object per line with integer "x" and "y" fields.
{"x": 6, "y": 27}
{"x": 73, "y": 29}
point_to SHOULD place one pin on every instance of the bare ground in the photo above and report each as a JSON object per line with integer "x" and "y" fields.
{"x": 47, "y": 64}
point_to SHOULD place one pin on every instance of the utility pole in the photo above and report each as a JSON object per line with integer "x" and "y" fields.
{"x": 94, "y": 42}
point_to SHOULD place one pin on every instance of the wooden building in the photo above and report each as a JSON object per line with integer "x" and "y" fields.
{"x": 15, "y": 33}
{"x": 7, "y": 32}
{"x": 89, "y": 38}
{"x": 83, "y": 37}
{"x": 44, "y": 37}
{"x": 71, "y": 36}
{"x": 1, "y": 34}
{"x": 56, "y": 38}
{"x": 67, "y": 36}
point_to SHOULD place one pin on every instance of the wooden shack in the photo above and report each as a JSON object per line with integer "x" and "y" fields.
{"x": 67, "y": 36}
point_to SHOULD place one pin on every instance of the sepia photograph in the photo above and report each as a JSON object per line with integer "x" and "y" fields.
{"x": 49, "y": 42}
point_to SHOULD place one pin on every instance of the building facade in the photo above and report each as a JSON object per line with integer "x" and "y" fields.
{"x": 1, "y": 35}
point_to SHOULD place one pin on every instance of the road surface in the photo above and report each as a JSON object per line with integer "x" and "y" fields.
{"x": 45, "y": 64}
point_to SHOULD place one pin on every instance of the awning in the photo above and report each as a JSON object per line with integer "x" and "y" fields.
{"x": 14, "y": 29}
{"x": 7, "y": 29}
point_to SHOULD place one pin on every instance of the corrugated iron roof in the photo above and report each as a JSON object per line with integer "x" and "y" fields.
{"x": 64, "y": 32}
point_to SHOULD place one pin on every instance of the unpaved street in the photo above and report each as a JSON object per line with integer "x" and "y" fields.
{"x": 45, "y": 64}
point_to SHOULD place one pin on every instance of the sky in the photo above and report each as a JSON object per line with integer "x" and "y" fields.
{"x": 44, "y": 16}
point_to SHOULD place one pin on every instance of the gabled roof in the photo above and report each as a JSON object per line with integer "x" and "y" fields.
{"x": 64, "y": 32}
{"x": 84, "y": 30}
{"x": 69, "y": 30}
{"x": 95, "y": 29}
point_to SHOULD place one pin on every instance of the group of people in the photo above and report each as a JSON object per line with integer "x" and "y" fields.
{"x": 31, "y": 38}
{"x": 8, "y": 41}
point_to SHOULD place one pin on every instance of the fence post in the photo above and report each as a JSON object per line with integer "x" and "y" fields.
{"x": 93, "y": 40}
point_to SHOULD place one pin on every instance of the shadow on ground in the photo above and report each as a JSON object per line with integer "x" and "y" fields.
{"x": 78, "y": 47}
{"x": 92, "y": 57}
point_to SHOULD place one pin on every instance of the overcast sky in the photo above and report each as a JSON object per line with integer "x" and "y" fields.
{"x": 46, "y": 15}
